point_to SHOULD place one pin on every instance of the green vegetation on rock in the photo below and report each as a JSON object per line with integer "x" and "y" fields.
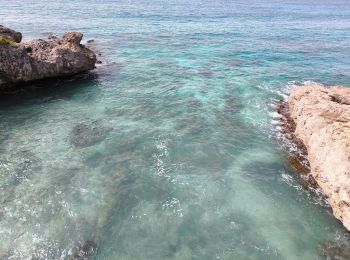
{"x": 7, "y": 42}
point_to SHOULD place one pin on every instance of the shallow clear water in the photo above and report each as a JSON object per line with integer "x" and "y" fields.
{"x": 167, "y": 150}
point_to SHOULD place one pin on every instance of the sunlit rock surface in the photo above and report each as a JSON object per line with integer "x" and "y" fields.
{"x": 322, "y": 117}
{"x": 39, "y": 59}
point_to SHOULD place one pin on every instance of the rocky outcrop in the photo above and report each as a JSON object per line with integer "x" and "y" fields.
{"x": 322, "y": 122}
{"x": 10, "y": 34}
{"x": 40, "y": 59}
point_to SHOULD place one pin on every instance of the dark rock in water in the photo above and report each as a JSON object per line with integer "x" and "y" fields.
{"x": 233, "y": 63}
{"x": 190, "y": 124}
{"x": 299, "y": 166}
{"x": 295, "y": 163}
{"x": 90, "y": 41}
{"x": 297, "y": 159}
{"x": 10, "y": 34}
{"x": 288, "y": 124}
{"x": 332, "y": 251}
{"x": 39, "y": 59}
{"x": 95, "y": 159}
{"x": 84, "y": 135}
{"x": 28, "y": 164}
{"x": 25, "y": 163}
{"x": 85, "y": 251}
{"x": 232, "y": 104}
{"x": 206, "y": 73}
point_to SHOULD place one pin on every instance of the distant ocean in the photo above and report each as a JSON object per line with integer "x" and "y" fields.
{"x": 168, "y": 150}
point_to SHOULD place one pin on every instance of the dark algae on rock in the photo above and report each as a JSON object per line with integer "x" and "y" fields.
{"x": 297, "y": 157}
{"x": 39, "y": 59}
{"x": 316, "y": 120}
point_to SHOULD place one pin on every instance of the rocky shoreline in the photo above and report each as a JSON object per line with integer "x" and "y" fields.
{"x": 316, "y": 120}
{"x": 22, "y": 62}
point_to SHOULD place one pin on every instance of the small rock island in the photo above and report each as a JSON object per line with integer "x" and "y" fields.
{"x": 22, "y": 62}
{"x": 321, "y": 118}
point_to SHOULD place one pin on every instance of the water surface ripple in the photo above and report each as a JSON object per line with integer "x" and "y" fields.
{"x": 167, "y": 150}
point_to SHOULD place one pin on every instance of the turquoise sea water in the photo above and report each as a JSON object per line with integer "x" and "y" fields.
{"x": 167, "y": 150}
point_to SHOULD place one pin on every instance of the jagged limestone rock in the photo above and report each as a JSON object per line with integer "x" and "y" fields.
{"x": 40, "y": 59}
{"x": 322, "y": 119}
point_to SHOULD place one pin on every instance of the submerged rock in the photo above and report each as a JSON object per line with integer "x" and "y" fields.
{"x": 297, "y": 165}
{"x": 84, "y": 135}
{"x": 86, "y": 250}
{"x": 296, "y": 157}
{"x": 28, "y": 163}
{"x": 332, "y": 251}
{"x": 39, "y": 59}
{"x": 206, "y": 73}
{"x": 322, "y": 122}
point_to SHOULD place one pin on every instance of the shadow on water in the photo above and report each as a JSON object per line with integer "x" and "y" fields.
{"x": 18, "y": 106}
{"x": 47, "y": 89}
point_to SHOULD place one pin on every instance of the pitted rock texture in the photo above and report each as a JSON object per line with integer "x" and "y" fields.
{"x": 10, "y": 34}
{"x": 40, "y": 59}
{"x": 322, "y": 118}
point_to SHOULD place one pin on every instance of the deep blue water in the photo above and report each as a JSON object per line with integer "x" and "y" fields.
{"x": 168, "y": 150}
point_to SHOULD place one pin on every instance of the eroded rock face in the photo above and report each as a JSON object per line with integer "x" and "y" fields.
{"x": 39, "y": 59}
{"x": 322, "y": 122}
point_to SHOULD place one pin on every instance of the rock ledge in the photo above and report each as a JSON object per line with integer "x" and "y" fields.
{"x": 322, "y": 122}
{"x": 40, "y": 59}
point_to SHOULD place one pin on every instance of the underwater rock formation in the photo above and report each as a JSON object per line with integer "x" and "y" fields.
{"x": 322, "y": 122}
{"x": 39, "y": 59}
{"x": 331, "y": 250}
{"x": 86, "y": 250}
{"x": 84, "y": 135}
